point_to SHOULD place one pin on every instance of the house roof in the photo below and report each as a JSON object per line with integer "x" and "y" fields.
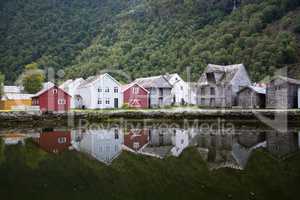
{"x": 228, "y": 71}
{"x": 169, "y": 76}
{"x": 46, "y": 89}
{"x": 259, "y": 90}
{"x": 12, "y": 96}
{"x": 71, "y": 83}
{"x": 153, "y": 82}
{"x": 11, "y": 89}
{"x": 93, "y": 79}
{"x": 66, "y": 83}
{"x": 286, "y": 79}
{"x": 126, "y": 87}
{"x": 48, "y": 85}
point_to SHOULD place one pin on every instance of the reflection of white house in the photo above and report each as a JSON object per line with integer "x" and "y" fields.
{"x": 100, "y": 92}
{"x": 164, "y": 142}
{"x": 102, "y": 144}
{"x": 298, "y": 97}
{"x": 13, "y": 138}
{"x": 179, "y": 89}
{"x": 180, "y": 141}
{"x": 71, "y": 87}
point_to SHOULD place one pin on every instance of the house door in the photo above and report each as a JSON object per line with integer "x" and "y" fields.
{"x": 116, "y": 103}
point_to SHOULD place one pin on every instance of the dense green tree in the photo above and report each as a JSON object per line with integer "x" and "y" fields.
{"x": 32, "y": 78}
{"x": 147, "y": 37}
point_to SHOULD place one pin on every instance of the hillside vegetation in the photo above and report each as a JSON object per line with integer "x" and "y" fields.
{"x": 148, "y": 37}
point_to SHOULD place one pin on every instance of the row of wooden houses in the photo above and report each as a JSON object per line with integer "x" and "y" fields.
{"x": 218, "y": 87}
{"x": 228, "y": 86}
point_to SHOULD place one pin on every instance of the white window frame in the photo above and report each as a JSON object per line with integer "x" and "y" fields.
{"x": 61, "y": 102}
{"x": 107, "y": 101}
{"x": 116, "y": 90}
{"x": 99, "y": 101}
{"x": 62, "y": 140}
{"x": 136, "y": 90}
{"x": 54, "y": 91}
{"x": 107, "y": 89}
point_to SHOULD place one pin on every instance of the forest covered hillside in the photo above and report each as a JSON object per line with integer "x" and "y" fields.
{"x": 149, "y": 37}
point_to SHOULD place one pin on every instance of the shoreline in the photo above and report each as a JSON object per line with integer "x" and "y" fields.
{"x": 9, "y": 119}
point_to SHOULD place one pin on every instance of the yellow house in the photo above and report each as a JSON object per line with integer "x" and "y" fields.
{"x": 11, "y": 101}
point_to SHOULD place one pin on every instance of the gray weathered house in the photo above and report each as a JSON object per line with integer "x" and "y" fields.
{"x": 218, "y": 85}
{"x": 252, "y": 97}
{"x": 159, "y": 88}
{"x": 282, "y": 92}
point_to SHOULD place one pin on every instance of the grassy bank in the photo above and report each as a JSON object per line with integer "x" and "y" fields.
{"x": 29, "y": 173}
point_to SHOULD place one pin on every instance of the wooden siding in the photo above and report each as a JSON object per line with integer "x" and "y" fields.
{"x": 9, "y": 104}
{"x": 247, "y": 98}
{"x": 281, "y": 95}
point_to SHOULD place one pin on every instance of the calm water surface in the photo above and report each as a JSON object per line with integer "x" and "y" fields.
{"x": 219, "y": 145}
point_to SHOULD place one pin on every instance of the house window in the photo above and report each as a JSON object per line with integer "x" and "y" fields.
{"x": 136, "y": 90}
{"x": 61, "y": 101}
{"x": 212, "y": 91}
{"x": 181, "y": 87}
{"x": 136, "y": 145}
{"x": 116, "y": 134}
{"x": 202, "y": 91}
{"x": 116, "y": 89}
{"x": 202, "y": 101}
{"x": 55, "y": 91}
{"x": 107, "y": 89}
{"x": 99, "y": 101}
{"x": 107, "y": 101}
{"x": 99, "y": 89}
{"x": 212, "y": 101}
{"x": 62, "y": 140}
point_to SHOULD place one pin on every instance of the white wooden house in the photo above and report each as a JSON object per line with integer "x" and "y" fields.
{"x": 179, "y": 92}
{"x": 100, "y": 92}
{"x": 71, "y": 87}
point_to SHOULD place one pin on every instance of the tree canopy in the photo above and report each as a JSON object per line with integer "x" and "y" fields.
{"x": 32, "y": 78}
{"x": 148, "y": 37}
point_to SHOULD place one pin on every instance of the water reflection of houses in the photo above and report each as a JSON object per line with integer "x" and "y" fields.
{"x": 54, "y": 141}
{"x": 165, "y": 142}
{"x": 232, "y": 151}
{"x": 102, "y": 144}
{"x": 13, "y": 138}
{"x": 282, "y": 144}
{"x": 136, "y": 139}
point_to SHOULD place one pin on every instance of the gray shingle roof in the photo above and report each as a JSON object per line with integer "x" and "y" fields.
{"x": 228, "y": 72}
{"x": 153, "y": 82}
{"x": 289, "y": 80}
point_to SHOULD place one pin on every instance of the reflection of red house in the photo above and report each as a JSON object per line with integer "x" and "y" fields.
{"x": 136, "y": 139}
{"x": 136, "y": 96}
{"x": 52, "y": 99}
{"x": 55, "y": 141}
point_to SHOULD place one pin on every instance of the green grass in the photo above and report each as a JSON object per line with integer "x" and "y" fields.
{"x": 29, "y": 173}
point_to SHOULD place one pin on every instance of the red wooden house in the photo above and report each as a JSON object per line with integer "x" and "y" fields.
{"x": 52, "y": 99}
{"x": 55, "y": 141}
{"x": 135, "y": 96}
{"x": 135, "y": 139}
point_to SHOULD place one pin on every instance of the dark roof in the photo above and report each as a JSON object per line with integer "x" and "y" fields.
{"x": 228, "y": 72}
{"x": 286, "y": 79}
{"x": 259, "y": 90}
{"x": 153, "y": 82}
